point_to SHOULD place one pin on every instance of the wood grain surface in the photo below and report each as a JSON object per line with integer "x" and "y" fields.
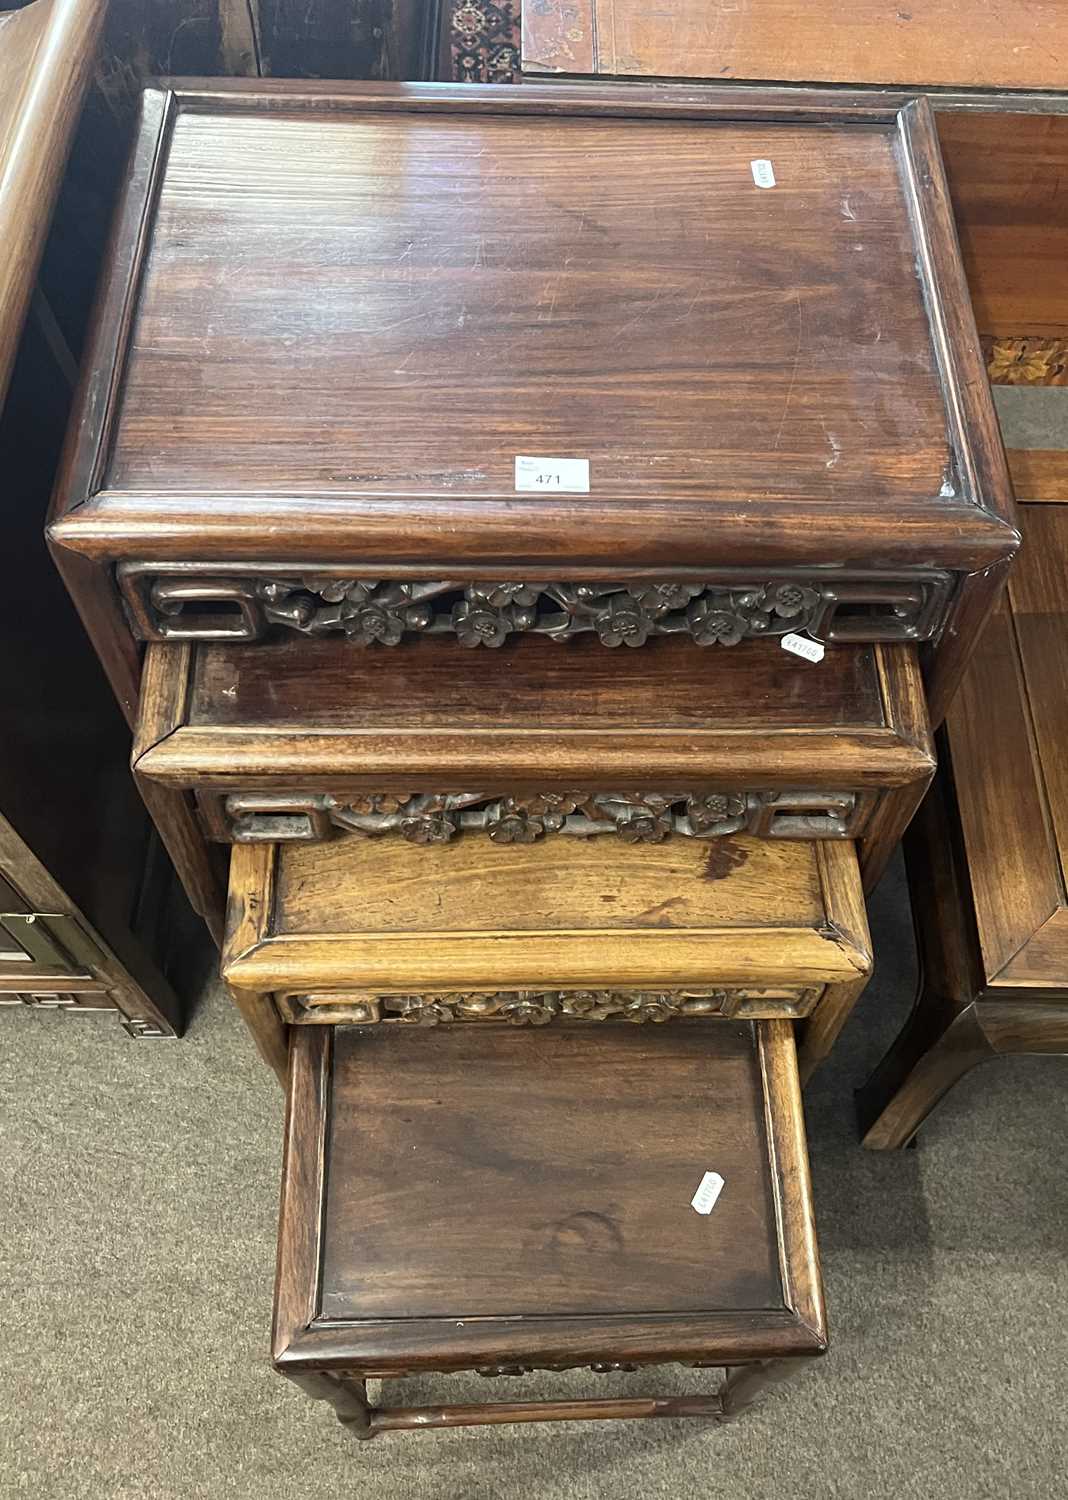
{"x": 592, "y": 1271}
{"x": 1012, "y": 785}
{"x": 325, "y": 715}
{"x": 935, "y": 42}
{"x": 479, "y": 915}
{"x": 1039, "y": 474}
{"x": 1005, "y": 172}
{"x": 1038, "y": 594}
{"x": 390, "y": 260}
{"x": 326, "y": 266}
{"x": 430, "y": 1150}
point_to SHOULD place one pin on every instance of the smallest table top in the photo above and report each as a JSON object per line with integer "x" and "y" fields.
{"x": 494, "y": 1197}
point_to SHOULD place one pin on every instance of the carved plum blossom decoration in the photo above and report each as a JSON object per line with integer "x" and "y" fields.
{"x": 535, "y": 1007}
{"x": 790, "y": 599}
{"x": 515, "y": 825}
{"x": 710, "y": 814}
{"x": 658, "y": 598}
{"x": 428, "y": 828}
{"x": 370, "y": 623}
{"x": 487, "y": 613}
{"x": 623, "y": 622}
{"x": 589, "y": 1005}
{"x": 526, "y": 817}
{"x": 651, "y": 1007}
{"x": 713, "y": 621}
{"x": 419, "y": 1010}
{"x": 648, "y": 827}
{"x": 527, "y": 1008}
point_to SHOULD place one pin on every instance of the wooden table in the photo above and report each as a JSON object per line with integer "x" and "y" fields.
{"x": 987, "y": 855}
{"x": 998, "y": 80}
{"x": 497, "y": 1200}
{"x": 935, "y": 43}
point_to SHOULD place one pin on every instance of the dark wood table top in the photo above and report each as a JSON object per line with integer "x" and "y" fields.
{"x": 336, "y": 317}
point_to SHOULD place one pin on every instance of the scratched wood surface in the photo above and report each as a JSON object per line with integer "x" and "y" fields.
{"x": 478, "y": 915}
{"x": 408, "y": 1169}
{"x": 314, "y": 287}
{"x": 544, "y": 1141}
{"x": 967, "y": 43}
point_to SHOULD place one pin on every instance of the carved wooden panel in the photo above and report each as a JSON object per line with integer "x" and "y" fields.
{"x": 528, "y": 816}
{"x": 540, "y": 1007}
{"x": 228, "y": 603}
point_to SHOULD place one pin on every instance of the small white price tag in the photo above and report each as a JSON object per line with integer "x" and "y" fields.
{"x": 569, "y": 476}
{"x": 801, "y": 645}
{"x": 704, "y": 1200}
{"x": 763, "y": 173}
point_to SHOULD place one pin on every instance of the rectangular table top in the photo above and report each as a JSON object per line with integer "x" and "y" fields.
{"x": 337, "y": 318}
{"x": 953, "y": 43}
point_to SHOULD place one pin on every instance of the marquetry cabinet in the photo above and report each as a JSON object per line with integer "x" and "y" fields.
{"x": 986, "y": 857}
{"x": 80, "y": 887}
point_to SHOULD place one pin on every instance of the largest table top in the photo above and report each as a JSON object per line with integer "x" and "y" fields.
{"x": 336, "y": 316}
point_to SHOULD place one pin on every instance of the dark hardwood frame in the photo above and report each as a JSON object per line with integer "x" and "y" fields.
{"x": 888, "y": 768}
{"x": 91, "y": 527}
{"x": 331, "y": 1359}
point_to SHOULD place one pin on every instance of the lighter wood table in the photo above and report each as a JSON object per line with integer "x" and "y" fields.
{"x": 988, "y": 855}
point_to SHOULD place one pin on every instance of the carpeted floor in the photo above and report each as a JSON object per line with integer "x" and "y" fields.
{"x": 139, "y": 1185}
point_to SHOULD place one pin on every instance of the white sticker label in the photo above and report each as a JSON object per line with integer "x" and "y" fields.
{"x": 544, "y": 475}
{"x": 763, "y": 173}
{"x": 801, "y": 645}
{"x": 704, "y": 1200}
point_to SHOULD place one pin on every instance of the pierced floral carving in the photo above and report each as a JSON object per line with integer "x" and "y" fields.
{"x": 526, "y": 817}
{"x": 377, "y": 612}
{"x": 540, "y": 1007}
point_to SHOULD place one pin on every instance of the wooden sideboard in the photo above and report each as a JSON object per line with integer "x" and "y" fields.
{"x": 80, "y": 890}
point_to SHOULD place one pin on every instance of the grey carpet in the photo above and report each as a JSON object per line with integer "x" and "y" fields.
{"x": 139, "y": 1186}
